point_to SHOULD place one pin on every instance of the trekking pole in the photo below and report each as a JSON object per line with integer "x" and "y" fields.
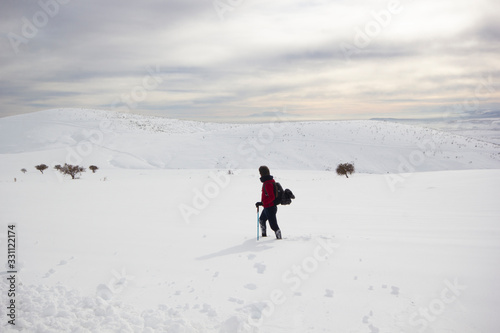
{"x": 258, "y": 223}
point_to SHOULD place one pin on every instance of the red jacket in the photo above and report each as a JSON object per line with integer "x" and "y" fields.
{"x": 267, "y": 191}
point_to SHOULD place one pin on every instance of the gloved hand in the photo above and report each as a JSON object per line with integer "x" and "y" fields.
{"x": 257, "y": 204}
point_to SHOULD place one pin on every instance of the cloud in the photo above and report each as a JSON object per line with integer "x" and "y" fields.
{"x": 262, "y": 56}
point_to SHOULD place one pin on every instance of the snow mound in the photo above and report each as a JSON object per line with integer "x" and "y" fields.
{"x": 58, "y": 309}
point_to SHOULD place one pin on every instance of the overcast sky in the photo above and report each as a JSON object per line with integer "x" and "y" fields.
{"x": 235, "y": 60}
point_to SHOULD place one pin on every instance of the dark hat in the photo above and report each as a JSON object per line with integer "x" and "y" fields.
{"x": 264, "y": 171}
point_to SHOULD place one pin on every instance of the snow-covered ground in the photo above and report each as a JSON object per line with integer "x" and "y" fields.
{"x": 117, "y": 140}
{"x": 484, "y": 127}
{"x": 163, "y": 239}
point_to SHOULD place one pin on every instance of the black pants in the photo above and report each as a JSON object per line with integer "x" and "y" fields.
{"x": 269, "y": 214}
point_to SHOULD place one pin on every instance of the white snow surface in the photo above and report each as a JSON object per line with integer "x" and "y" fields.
{"x": 163, "y": 239}
{"x": 110, "y": 139}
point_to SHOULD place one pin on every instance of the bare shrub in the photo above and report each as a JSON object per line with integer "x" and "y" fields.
{"x": 344, "y": 169}
{"x": 72, "y": 170}
{"x": 41, "y": 167}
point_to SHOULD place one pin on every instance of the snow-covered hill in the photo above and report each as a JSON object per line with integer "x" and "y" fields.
{"x": 162, "y": 238}
{"x": 110, "y": 139}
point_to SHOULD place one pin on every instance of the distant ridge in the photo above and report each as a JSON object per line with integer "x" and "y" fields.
{"x": 121, "y": 140}
{"x": 482, "y": 125}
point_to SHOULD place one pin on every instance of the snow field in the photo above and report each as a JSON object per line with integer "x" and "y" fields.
{"x": 114, "y": 140}
{"x": 358, "y": 255}
{"x": 163, "y": 239}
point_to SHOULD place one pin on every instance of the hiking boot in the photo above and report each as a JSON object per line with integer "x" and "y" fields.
{"x": 278, "y": 234}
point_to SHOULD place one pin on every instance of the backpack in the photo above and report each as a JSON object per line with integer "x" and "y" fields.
{"x": 282, "y": 197}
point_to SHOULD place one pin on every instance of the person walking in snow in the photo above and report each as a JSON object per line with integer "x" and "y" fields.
{"x": 270, "y": 208}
